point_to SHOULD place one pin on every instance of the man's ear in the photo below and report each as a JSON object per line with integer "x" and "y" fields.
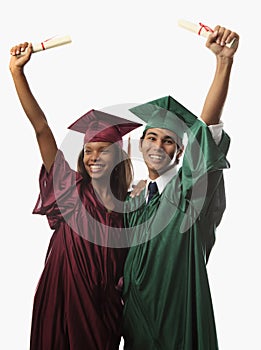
{"x": 180, "y": 152}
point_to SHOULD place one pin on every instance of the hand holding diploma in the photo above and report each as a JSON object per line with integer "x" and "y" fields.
{"x": 44, "y": 45}
{"x": 227, "y": 39}
{"x": 21, "y": 53}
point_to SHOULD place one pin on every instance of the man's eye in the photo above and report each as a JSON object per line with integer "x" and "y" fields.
{"x": 168, "y": 141}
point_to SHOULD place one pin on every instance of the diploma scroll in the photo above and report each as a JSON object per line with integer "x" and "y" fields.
{"x": 200, "y": 29}
{"x": 50, "y": 43}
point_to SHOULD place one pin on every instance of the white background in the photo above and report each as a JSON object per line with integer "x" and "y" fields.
{"x": 130, "y": 52}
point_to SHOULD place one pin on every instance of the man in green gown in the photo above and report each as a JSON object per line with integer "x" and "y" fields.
{"x": 166, "y": 291}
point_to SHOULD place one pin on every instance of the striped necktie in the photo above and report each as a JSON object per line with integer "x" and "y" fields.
{"x": 153, "y": 189}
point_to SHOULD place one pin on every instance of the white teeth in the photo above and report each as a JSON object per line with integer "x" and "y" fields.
{"x": 153, "y": 156}
{"x": 96, "y": 166}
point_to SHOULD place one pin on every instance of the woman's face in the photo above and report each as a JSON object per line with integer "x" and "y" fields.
{"x": 99, "y": 159}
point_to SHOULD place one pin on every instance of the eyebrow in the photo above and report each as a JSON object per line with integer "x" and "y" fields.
{"x": 99, "y": 149}
{"x": 164, "y": 137}
{"x": 151, "y": 133}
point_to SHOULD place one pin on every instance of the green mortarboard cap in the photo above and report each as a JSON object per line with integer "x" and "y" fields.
{"x": 165, "y": 113}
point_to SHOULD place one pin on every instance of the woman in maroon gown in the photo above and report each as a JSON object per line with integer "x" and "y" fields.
{"x": 77, "y": 302}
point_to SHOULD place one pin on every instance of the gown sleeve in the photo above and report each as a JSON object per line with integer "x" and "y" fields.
{"x": 202, "y": 165}
{"x": 202, "y": 154}
{"x": 202, "y": 181}
{"x": 58, "y": 191}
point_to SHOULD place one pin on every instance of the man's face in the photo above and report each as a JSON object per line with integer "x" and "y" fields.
{"x": 158, "y": 149}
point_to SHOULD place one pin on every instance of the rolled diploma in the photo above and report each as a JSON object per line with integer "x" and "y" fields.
{"x": 48, "y": 44}
{"x": 198, "y": 29}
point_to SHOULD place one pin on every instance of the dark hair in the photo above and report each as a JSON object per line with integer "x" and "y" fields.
{"x": 121, "y": 175}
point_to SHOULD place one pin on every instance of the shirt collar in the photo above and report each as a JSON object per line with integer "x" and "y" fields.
{"x": 163, "y": 179}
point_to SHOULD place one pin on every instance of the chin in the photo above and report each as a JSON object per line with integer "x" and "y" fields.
{"x": 98, "y": 176}
{"x": 158, "y": 168}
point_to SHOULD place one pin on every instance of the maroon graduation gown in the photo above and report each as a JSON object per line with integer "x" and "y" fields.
{"x": 77, "y": 303}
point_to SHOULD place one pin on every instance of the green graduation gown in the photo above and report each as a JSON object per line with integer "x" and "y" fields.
{"x": 167, "y": 298}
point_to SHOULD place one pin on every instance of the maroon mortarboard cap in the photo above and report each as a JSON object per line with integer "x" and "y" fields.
{"x": 103, "y": 127}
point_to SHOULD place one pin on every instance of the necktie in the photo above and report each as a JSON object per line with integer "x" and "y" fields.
{"x": 153, "y": 189}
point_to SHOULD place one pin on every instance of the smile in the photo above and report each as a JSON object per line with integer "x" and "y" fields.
{"x": 156, "y": 157}
{"x": 96, "y": 167}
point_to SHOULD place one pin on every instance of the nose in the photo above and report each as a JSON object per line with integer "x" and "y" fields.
{"x": 95, "y": 156}
{"x": 158, "y": 145}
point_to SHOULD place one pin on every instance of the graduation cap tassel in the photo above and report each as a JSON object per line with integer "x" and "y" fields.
{"x": 129, "y": 146}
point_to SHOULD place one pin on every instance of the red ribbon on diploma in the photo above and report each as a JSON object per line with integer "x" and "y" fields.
{"x": 207, "y": 29}
{"x": 42, "y": 43}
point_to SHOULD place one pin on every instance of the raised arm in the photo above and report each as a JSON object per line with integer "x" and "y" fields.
{"x": 217, "y": 93}
{"x": 44, "y": 135}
